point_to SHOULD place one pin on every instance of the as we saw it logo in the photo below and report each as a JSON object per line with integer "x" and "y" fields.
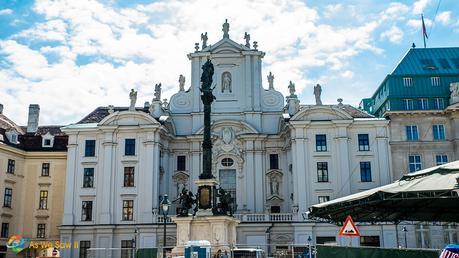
{"x": 17, "y": 243}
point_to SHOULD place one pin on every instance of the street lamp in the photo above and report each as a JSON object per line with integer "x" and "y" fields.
{"x": 134, "y": 243}
{"x": 165, "y": 204}
{"x": 405, "y": 230}
{"x": 310, "y": 248}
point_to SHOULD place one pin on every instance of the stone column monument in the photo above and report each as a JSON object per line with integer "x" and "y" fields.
{"x": 209, "y": 223}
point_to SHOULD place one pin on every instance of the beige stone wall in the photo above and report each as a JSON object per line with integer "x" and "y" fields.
{"x": 426, "y": 146}
{"x": 27, "y": 182}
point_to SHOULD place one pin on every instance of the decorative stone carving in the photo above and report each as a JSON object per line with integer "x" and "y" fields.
{"x": 181, "y": 83}
{"x": 247, "y": 39}
{"x": 157, "y": 92}
{"x": 226, "y": 82}
{"x": 133, "y": 98}
{"x": 317, "y": 93}
{"x": 180, "y": 180}
{"x": 196, "y": 47}
{"x": 274, "y": 178}
{"x": 204, "y": 40}
{"x": 111, "y": 109}
{"x": 454, "y": 89}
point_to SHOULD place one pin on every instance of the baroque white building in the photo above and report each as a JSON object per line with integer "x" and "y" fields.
{"x": 276, "y": 156}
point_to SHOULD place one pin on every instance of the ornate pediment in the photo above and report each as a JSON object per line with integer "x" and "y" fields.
{"x": 226, "y": 46}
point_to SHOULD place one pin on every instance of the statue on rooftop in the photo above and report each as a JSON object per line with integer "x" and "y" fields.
{"x": 157, "y": 92}
{"x": 271, "y": 81}
{"x": 181, "y": 83}
{"x": 133, "y": 98}
{"x": 225, "y": 29}
{"x": 292, "y": 90}
{"x": 204, "y": 40}
{"x": 317, "y": 93}
{"x": 247, "y": 39}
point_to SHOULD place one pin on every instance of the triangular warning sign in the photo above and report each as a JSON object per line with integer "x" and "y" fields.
{"x": 349, "y": 228}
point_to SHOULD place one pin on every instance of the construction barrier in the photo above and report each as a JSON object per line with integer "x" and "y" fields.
{"x": 373, "y": 252}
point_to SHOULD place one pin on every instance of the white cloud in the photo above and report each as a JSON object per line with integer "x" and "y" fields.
{"x": 146, "y": 44}
{"x": 420, "y": 5}
{"x": 394, "y": 34}
{"x": 395, "y": 11}
{"x": 444, "y": 17}
{"x": 417, "y": 24}
{"x": 5, "y": 11}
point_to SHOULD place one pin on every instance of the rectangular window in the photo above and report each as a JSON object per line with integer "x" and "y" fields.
{"x": 129, "y": 147}
{"x": 324, "y": 198}
{"x": 408, "y": 104}
{"x": 11, "y": 166}
{"x": 414, "y": 163}
{"x": 407, "y": 81}
{"x": 5, "y": 230}
{"x": 439, "y": 103}
{"x": 88, "y": 178}
{"x": 43, "y": 203}
{"x": 273, "y": 161}
{"x": 126, "y": 248}
{"x": 424, "y": 104}
{"x": 86, "y": 211}
{"x": 84, "y": 246}
{"x": 8, "y": 197}
{"x": 128, "y": 209}
{"x": 412, "y": 133}
{"x": 321, "y": 142}
{"x": 227, "y": 180}
{"x": 322, "y": 172}
{"x": 370, "y": 241}
{"x": 435, "y": 81}
{"x": 90, "y": 148}
{"x": 275, "y": 209}
{"x": 438, "y": 132}
{"x": 364, "y": 142}
{"x": 365, "y": 171}
{"x": 41, "y": 230}
{"x": 128, "y": 176}
{"x": 181, "y": 163}
{"x": 45, "y": 169}
{"x": 441, "y": 159}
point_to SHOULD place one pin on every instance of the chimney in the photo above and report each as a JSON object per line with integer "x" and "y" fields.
{"x": 1, "y": 108}
{"x": 32, "y": 123}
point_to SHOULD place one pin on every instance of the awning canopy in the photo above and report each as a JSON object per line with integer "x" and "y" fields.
{"x": 428, "y": 195}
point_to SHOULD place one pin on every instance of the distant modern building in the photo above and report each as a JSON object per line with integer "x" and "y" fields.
{"x": 275, "y": 159}
{"x": 32, "y": 177}
{"x": 420, "y": 98}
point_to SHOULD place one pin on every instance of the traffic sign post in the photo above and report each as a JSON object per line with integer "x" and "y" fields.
{"x": 349, "y": 229}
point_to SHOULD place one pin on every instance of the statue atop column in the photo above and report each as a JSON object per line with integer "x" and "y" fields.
{"x": 207, "y": 98}
{"x": 317, "y": 93}
{"x": 204, "y": 40}
{"x": 271, "y": 81}
{"x": 133, "y": 98}
{"x": 225, "y": 29}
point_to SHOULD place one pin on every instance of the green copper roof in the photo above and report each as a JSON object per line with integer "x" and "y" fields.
{"x": 429, "y": 61}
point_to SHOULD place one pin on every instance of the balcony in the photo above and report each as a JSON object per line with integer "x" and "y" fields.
{"x": 252, "y": 217}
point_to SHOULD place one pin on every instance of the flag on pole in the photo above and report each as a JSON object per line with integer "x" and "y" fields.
{"x": 450, "y": 251}
{"x": 424, "y": 31}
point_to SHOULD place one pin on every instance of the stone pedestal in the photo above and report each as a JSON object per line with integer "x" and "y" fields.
{"x": 206, "y": 190}
{"x": 220, "y": 231}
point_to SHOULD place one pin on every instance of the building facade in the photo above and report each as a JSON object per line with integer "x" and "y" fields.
{"x": 420, "y": 99}
{"x": 33, "y": 166}
{"x": 276, "y": 159}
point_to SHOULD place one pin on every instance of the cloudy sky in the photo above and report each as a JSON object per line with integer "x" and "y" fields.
{"x": 73, "y": 56}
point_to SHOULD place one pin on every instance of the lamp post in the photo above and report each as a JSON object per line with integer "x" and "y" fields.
{"x": 309, "y": 246}
{"x": 165, "y": 204}
{"x": 405, "y": 230}
{"x": 134, "y": 243}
